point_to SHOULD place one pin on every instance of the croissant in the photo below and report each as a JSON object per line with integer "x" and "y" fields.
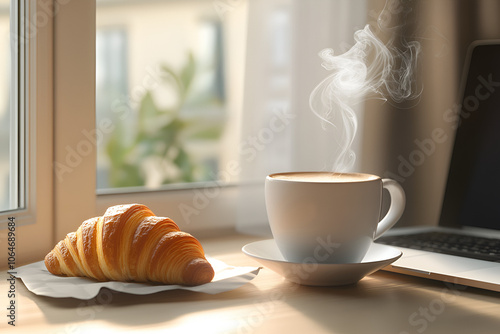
{"x": 129, "y": 243}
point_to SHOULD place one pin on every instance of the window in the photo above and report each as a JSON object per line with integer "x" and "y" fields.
{"x": 161, "y": 87}
{"x": 169, "y": 82}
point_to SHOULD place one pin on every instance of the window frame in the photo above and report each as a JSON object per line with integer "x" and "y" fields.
{"x": 33, "y": 221}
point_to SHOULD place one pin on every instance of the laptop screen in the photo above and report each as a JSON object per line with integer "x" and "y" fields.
{"x": 472, "y": 195}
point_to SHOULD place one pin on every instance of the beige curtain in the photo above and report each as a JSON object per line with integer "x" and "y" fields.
{"x": 279, "y": 131}
{"x": 412, "y": 142}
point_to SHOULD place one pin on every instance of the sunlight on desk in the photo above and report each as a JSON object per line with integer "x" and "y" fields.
{"x": 380, "y": 303}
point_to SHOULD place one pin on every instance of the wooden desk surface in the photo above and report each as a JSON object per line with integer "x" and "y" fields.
{"x": 380, "y": 303}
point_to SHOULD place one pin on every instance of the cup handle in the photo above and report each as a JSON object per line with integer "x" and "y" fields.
{"x": 396, "y": 209}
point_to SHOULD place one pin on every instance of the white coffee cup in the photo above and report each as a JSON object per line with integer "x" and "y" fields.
{"x": 325, "y": 217}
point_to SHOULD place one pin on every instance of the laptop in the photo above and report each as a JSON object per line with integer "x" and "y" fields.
{"x": 465, "y": 246}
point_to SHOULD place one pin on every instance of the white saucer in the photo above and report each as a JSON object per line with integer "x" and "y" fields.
{"x": 267, "y": 253}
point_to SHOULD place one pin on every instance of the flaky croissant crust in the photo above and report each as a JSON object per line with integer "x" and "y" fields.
{"x": 130, "y": 243}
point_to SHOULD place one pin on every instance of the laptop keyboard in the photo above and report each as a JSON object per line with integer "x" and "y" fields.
{"x": 448, "y": 243}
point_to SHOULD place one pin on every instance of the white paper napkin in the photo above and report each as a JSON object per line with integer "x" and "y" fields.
{"x": 41, "y": 282}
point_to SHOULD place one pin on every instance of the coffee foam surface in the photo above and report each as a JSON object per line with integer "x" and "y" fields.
{"x": 324, "y": 177}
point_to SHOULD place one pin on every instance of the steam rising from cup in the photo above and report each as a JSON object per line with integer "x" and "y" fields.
{"x": 370, "y": 69}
